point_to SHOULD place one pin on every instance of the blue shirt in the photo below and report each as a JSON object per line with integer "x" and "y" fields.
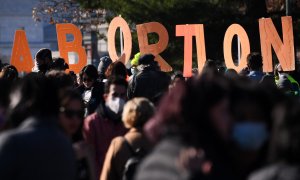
{"x": 256, "y": 75}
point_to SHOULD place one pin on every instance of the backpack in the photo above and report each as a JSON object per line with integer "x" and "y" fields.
{"x": 133, "y": 162}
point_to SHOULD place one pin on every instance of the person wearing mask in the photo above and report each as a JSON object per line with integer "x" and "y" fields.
{"x": 71, "y": 115}
{"x": 192, "y": 128}
{"x": 34, "y": 147}
{"x": 136, "y": 113}
{"x": 91, "y": 89}
{"x": 251, "y": 123}
{"x": 105, "y": 124}
{"x": 284, "y": 147}
{"x": 43, "y": 60}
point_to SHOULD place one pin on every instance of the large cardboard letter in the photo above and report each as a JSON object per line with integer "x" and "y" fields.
{"x": 188, "y": 31}
{"x": 21, "y": 56}
{"x": 73, "y": 46}
{"x": 154, "y": 27}
{"x": 284, "y": 50}
{"x": 236, "y": 29}
{"x": 116, "y": 23}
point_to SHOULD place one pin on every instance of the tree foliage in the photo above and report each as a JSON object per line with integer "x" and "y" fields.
{"x": 216, "y": 15}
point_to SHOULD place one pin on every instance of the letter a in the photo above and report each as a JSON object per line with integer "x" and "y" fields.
{"x": 21, "y": 56}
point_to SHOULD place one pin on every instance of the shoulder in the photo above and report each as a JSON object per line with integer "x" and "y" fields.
{"x": 276, "y": 170}
{"x": 161, "y": 163}
{"x": 7, "y": 138}
{"x": 92, "y": 117}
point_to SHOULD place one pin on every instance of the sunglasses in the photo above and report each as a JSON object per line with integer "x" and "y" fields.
{"x": 87, "y": 80}
{"x": 72, "y": 113}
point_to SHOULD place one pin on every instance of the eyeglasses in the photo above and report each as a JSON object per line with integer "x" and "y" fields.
{"x": 87, "y": 80}
{"x": 72, "y": 113}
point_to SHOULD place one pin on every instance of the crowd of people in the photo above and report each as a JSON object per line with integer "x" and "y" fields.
{"x": 217, "y": 124}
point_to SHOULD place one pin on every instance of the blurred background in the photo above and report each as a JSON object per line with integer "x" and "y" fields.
{"x": 38, "y": 19}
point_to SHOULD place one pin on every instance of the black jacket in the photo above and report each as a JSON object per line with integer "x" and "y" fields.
{"x": 96, "y": 97}
{"x": 150, "y": 83}
{"x": 36, "y": 150}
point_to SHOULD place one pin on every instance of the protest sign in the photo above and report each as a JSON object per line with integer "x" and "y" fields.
{"x": 269, "y": 38}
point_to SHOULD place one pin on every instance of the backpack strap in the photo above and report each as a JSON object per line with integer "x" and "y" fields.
{"x": 129, "y": 146}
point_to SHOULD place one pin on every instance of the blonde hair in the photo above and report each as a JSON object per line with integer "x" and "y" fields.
{"x": 137, "y": 112}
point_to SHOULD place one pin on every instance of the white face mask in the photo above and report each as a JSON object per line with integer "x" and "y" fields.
{"x": 115, "y": 104}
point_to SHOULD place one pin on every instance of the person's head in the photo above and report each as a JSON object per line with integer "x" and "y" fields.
{"x": 115, "y": 94}
{"x": 34, "y": 95}
{"x": 59, "y": 64}
{"x": 198, "y": 111}
{"x": 43, "y": 59}
{"x": 71, "y": 114}
{"x": 105, "y": 61}
{"x": 177, "y": 78}
{"x": 231, "y": 73}
{"x": 119, "y": 70}
{"x": 146, "y": 59}
{"x": 210, "y": 65}
{"x": 251, "y": 112}
{"x": 61, "y": 80}
{"x": 9, "y": 72}
{"x": 137, "y": 112}
{"x": 254, "y": 61}
{"x": 89, "y": 75}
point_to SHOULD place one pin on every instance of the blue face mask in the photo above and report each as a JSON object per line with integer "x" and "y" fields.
{"x": 250, "y": 135}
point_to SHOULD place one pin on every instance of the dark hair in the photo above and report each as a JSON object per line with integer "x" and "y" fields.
{"x": 61, "y": 80}
{"x": 64, "y": 100}
{"x": 34, "y": 95}
{"x": 186, "y": 109}
{"x": 210, "y": 65}
{"x": 116, "y": 81}
{"x": 105, "y": 61}
{"x": 179, "y": 76}
{"x": 43, "y": 54}
{"x": 254, "y": 61}
{"x": 90, "y": 71}
{"x": 146, "y": 59}
{"x": 9, "y": 72}
{"x": 119, "y": 70}
{"x": 59, "y": 64}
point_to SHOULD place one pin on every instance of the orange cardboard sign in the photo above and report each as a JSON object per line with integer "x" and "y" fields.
{"x": 269, "y": 38}
{"x": 21, "y": 56}
{"x": 188, "y": 31}
{"x": 236, "y": 29}
{"x": 116, "y": 23}
{"x": 73, "y": 46}
{"x": 154, "y": 27}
